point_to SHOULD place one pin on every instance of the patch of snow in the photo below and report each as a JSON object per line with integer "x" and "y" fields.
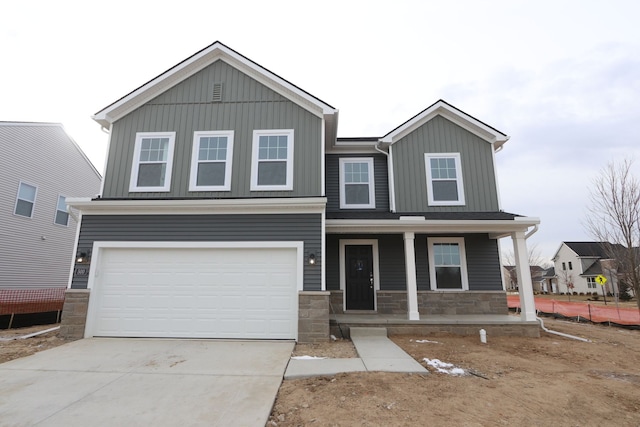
{"x": 427, "y": 341}
{"x": 444, "y": 367}
{"x": 333, "y": 338}
{"x": 307, "y": 357}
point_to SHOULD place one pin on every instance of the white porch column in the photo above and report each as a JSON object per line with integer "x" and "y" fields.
{"x": 525, "y": 287}
{"x": 412, "y": 283}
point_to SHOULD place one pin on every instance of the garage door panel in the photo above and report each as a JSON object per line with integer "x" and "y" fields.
{"x": 201, "y": 293}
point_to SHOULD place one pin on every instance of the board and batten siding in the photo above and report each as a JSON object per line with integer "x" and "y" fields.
{"x": 35, "y": 252}
{"x": 207, "y": 228}
{"x": 380, "y": 178}
{"x": 483, "y": 261}
{"x": 440, "y": 135}
{"x": 246, "y": 105}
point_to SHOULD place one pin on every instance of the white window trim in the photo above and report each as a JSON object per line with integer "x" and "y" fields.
{"x": 55, "y": 215}
{"x": 372, "y": 192}
{"x": 427, "y": 164}
{"x": 35, "y": 197}
{"x": 193, "y": 181}
{"x": 133, "y": 186}
{"x": 463, "y": 262}
{"x": 254, "y": 160}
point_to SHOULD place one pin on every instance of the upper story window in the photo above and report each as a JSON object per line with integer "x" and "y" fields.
{"x": 444, "y": 179}
{"x": 152, "y": 161}
{"x": 356, "y": 183}
{"x": 62, "y": 216}
{"x": 564, "y": 266}
{"x": 570, "y": 266}
{"x": 26, "y": 200}
{"x": 447, "y": 263}
{"x": 272, "y": 160}
{"x": 211, "y": 161}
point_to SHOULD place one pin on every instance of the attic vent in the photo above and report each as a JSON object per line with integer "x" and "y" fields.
{"x": 217, "y": 92}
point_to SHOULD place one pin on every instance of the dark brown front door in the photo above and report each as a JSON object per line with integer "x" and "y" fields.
{"x": 359, "y": 280}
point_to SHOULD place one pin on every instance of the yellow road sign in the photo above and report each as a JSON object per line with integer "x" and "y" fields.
{"x": 601, "y": 280}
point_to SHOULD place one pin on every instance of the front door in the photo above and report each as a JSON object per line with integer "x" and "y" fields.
{"x": 359, "y": 280}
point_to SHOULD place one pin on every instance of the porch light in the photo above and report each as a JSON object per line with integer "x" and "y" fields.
{"x": 81, "y": 257}
{"x": 312, "y": 259}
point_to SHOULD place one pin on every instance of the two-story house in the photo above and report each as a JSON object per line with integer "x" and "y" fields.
{"x": 230, "y": 209}
{"x": 577, "y": 264}
{"x": 40, "y": 168}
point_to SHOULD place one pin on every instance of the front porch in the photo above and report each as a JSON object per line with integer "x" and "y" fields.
{"x": 429, "y": 325}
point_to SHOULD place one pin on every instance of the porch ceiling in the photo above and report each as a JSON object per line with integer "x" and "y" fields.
{"x": 495, "y": 228}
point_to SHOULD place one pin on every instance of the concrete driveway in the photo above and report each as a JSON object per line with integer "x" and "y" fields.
{"x": 144, "y": 382}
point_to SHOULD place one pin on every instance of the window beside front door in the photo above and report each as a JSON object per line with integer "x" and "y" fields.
{"x": 211, "y": 161}
{"x": 444, "y": 179}
{"x": 356, "y": 183}
{"x": 272, "y": 160}
{"x": 447, "y": 264}
{"x": 152, "y": 161}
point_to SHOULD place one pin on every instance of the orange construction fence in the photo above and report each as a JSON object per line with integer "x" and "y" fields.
{"x": 594, "y": 312}
{"x": 26, "y": 301}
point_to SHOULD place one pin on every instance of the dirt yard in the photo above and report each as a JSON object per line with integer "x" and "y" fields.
{"x": 516, "y": 381}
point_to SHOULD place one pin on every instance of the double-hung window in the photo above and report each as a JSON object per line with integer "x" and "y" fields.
{"x": 444, "y": 179}
{"x": 272, "y": 160}
{"x": 62, "y": 216}
{"x": 211, "y": 161}
{"x": 356, "y": 183}
{"x": 591, "y": 283}
{"x": 26, "y": 200}
{"x": 447, "y": 263}
{"x": 152, "y": 161}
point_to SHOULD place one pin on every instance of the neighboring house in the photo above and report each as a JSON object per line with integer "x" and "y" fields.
{"x": 511, "y": 278}
{"x": 230, "y": 209}
{"x": 579, "y": 263}
{"x": 550, "y": 281}
{"x": 40, "y": 167}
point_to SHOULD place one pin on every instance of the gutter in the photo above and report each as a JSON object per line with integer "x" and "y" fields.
{"x": 390, "y": 183}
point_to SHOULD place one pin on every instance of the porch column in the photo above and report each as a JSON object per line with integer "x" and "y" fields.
{"x": 412, "y": 283}
{"x": 525, "y": 287}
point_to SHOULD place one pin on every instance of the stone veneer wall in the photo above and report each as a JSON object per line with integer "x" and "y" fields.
{"x": 74, "y": 314}
{"x": 467, "y": 302}
{"x": 313, "y": 316}
{"x": 434, "y": 302}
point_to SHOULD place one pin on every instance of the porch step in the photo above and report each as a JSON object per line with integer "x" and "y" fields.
{"x": 367, "y": 332}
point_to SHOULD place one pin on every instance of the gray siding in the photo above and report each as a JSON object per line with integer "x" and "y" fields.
{"x": 439, "y": 135}
{"x": 203, "y": 228}
{"x": 380, "y": 177}
{"x": 246, "y": 106}
{"x": 35, "y": 252}
{"x": 483, "y": 263}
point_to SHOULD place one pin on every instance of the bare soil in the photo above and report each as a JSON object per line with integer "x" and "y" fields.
{"x": 13, "y": 347}
{"x": 543, "y": 381}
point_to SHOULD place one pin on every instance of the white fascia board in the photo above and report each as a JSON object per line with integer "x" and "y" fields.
{"x": 366, "y": 149}
{"x": 208, "y": 56}
{"x": 463, "y": 120}
{"x": 199, "y": 206}
{"x": 497, "y": 228}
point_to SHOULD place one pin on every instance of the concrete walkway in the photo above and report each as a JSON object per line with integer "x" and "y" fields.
{"x": 376, "y": 351}
{"x": 144, "y": 382}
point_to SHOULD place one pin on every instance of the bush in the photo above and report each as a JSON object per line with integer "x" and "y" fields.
{"x": 595, "y": 296}
{"x": 625, "y": 291}
{"x": 561, "y": 293}
{"x": 575, "y": 293}
{"x": 582, "y": 293}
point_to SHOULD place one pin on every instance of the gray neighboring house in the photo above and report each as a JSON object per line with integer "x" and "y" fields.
{"x": 40, "y": 167}
{"x": 231, "y": 209}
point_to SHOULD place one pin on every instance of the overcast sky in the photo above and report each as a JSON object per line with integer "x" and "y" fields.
{"x": 562, "y": 78}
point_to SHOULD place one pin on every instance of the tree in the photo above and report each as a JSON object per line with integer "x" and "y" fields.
{"x": 614, "y": 217}
{"x": 534, "y": 255}
{"x": 567, "y": 279}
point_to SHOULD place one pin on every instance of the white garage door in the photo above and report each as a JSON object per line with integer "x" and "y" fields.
{"x": 195, "y": 293}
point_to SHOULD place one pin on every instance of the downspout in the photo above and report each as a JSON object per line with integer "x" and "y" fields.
{"x": 549, "y": 331}
{"x": 392, "y": 196}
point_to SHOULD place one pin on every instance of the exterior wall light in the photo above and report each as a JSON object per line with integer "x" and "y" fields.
{"x": 312, "y": 259}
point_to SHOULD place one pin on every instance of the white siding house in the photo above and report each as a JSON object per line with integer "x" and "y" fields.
{"x": 40, "y": 167}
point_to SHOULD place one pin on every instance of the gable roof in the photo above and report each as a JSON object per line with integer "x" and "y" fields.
{"x": 198, "y": 61}
{"x": 457, "y": 116}
{"x": 54, "y": 133}
{"x": 588, "y": 249}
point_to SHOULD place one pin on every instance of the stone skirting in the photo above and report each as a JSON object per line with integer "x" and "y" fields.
{"x": 313, "y": 316}
{"x": 74, "y": 314}
{"x": 434, "y": 302}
